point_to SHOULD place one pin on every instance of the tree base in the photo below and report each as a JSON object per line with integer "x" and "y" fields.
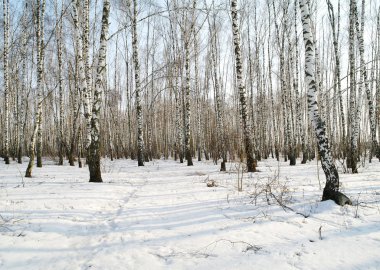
{"x": 251, "y": 166}
{"x": 96, "y": 180}
{"x": 223, "y": 166}
{"x": 292, "y": 160}
{"x": 338, "y": 197}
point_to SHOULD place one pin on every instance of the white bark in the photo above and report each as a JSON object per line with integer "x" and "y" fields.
{"x": 140, "y": 138}
{"x": 364, "y": 80}
{"x": 38, "y": 117}
{"x": 331, "y": 190}
{"x": 83, "y": 87}
{"x": 6, "y": 80}
{"x": 241, "y": 87}
{"x": 100, "y": 84}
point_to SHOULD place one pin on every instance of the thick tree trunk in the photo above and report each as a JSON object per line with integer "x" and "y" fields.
{"x": 38, "y": 118}
{"x": 100, "y": 84}
{"x": 187, "y": 37}
{"x": 354, "y": 104}
{"x": 241, "y": 87}
{"x": 331, "y": 190}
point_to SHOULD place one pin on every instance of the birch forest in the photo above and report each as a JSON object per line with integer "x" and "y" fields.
{"x": 191, "y": 80}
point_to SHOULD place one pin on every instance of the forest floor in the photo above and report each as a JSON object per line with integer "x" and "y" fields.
{"x": 163, "y": 216}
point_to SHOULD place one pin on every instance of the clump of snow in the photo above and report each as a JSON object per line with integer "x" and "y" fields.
{"x": 163, "y": 216}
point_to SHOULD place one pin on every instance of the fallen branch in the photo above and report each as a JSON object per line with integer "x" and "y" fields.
{"x": 249, "y": 246}
{"x": 285, "y": 207}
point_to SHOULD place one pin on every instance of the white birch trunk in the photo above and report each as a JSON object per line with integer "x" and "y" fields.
{"x": 83, "y": 87}
{"x": 6, "y": 80}
{"x": 364, "y": 81}
{"x": 100, "y": 84}
{"x": 23, "y": 86}
{"x": 40, "y": 74}
{"x": 331, "y": 190}
{"x": 241, "y": 87}
{"x": 354, "y": 104}
{"x": 38, "y": 116}
{"x": 140, "y": 138}
{"x": 60, "y": 87}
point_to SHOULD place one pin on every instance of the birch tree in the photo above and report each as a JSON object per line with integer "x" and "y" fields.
{"x": 6, "y": 80}
{"x": 82, "y": 80}
{"x": 364, "y": 84}
{"x": 100, "y": 84}
{"x": 40, "y": 73}
{"x": 22, "y": 114}
{"x": 187, "y": 34}
{"x": 135, "y": 56}
{"x": 331, "y": 189}
{"x": 354, "y": 104}
{"x": 242, "y": 92}
{"x": 60, "y": 86}
{"x": 337, "y": 79}
{"x": 39, "y": 14}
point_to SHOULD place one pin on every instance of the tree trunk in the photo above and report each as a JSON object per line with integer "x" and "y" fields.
{"x": 6, "y": 80}
{"x": 364, "y": 80}
{"x": 331, "y": 189}
{"x": 40, "y": 74}
{"x": 22, "y": 115}
{"x": 37, "y": 124}
{"x": 83, "y": 86}
{"x": 100, "y": 84}
{"x": 354, "y": 104}
{"x": 60, "y": 87}
{"x": 140, "y": 140}
{"x": 241, "y": 87}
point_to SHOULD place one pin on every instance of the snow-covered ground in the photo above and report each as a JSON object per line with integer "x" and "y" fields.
{"x": 163, "y": 216}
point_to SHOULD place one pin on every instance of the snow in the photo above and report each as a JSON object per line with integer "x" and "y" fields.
{"x": 163, "y": 216}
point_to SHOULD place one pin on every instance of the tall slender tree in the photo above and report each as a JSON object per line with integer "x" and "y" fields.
{"x": 100, "y": 84}
{"x": 364, "y": 84}
{"x": 39, "y": 14}
{"x": 60, "y": 86}
{"x": 22, "y": 114}
{"x": 331, "y": 189}
{"x": 135, "y": 56}
{"x": 242, "y": 92}
{"x": 41, "y": 74}
{"x": 6, "y": 79}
